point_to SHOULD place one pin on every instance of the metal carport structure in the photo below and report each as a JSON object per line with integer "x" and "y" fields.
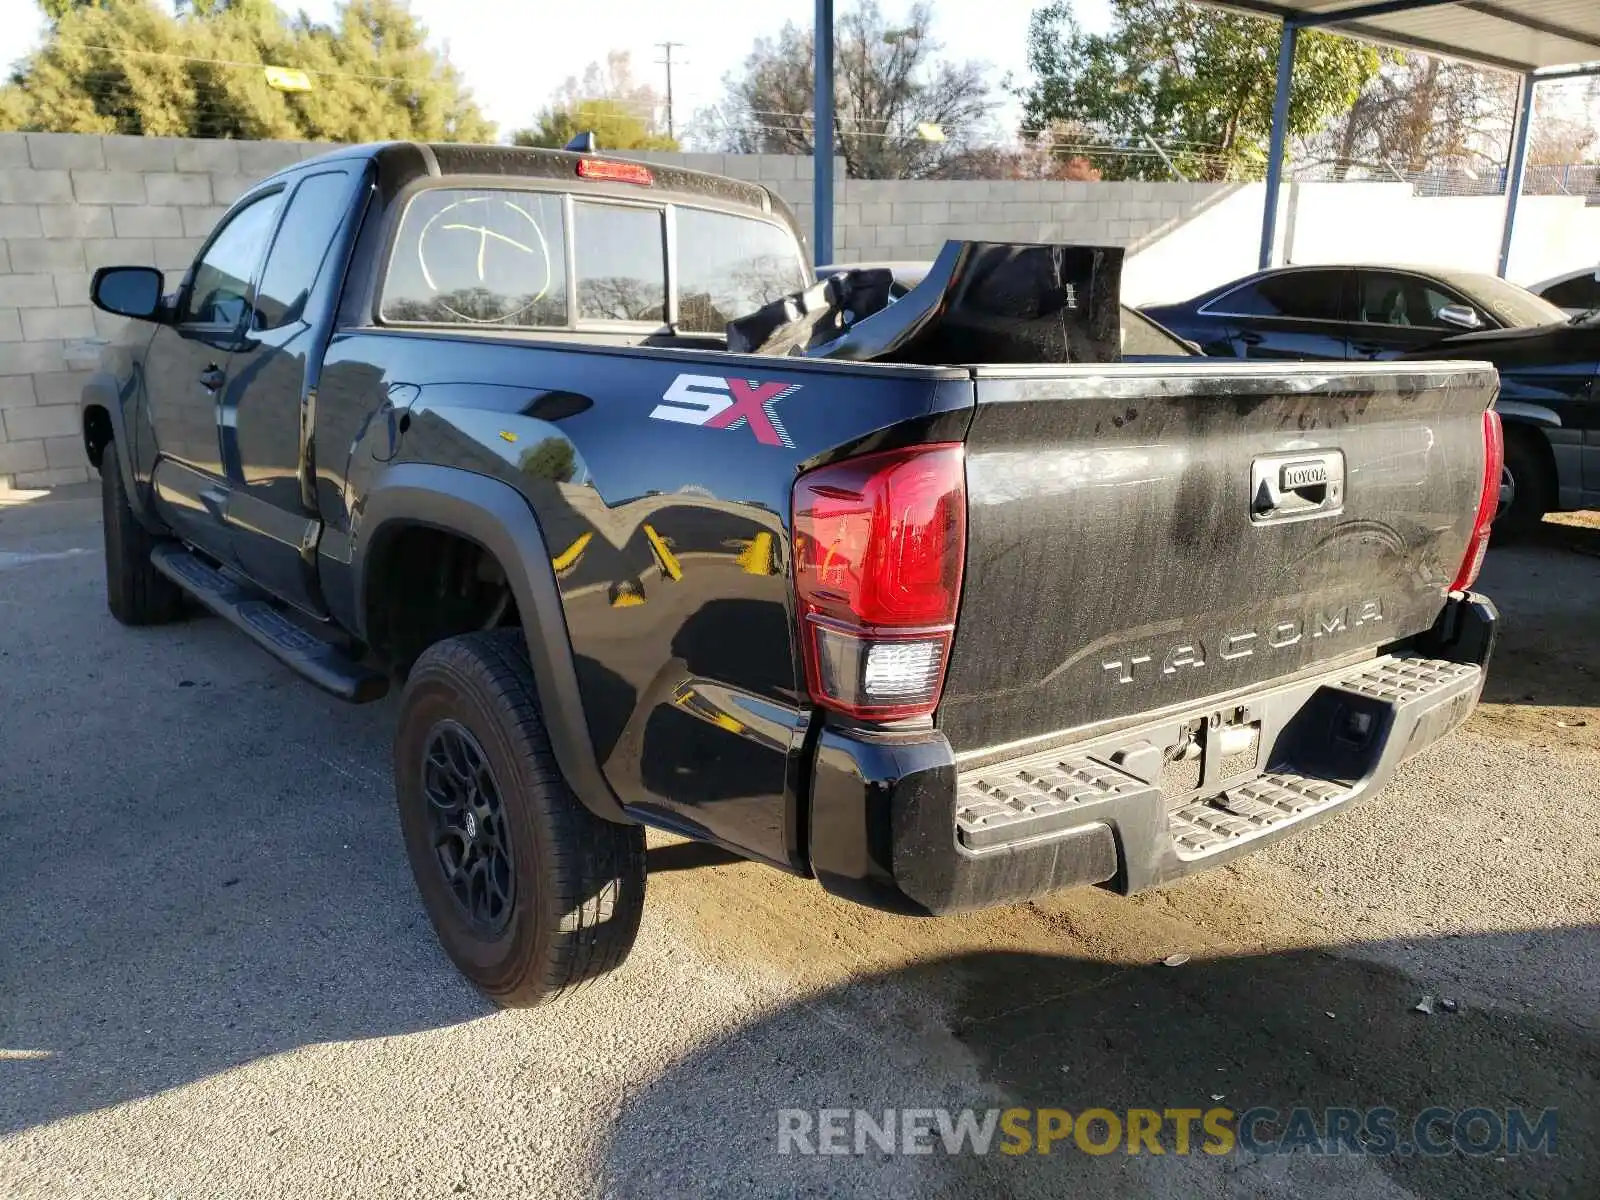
{"x": 1535, "y": 39}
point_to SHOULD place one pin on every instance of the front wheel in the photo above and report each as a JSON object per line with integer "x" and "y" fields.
{"x": 529, "y": 892}
{"x": 136, "y": 593}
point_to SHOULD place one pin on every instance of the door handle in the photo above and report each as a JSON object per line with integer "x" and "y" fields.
{"x": 212, "y": 378}
{"x": 1251, "y": 339}
{"x": 1296, "y": 486}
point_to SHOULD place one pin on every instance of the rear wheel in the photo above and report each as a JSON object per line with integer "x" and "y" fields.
{"x": 529, "y": 892}
{"x": 136, "y": 593}
{"x": 1527, "y": 484}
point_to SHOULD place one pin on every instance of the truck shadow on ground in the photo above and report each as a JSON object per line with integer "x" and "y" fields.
{"x": 997, "y": 1029}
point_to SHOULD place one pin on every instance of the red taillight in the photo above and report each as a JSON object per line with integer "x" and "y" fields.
{"x": 614, "y": 172}
{"x": 878, "y": 547}
{"x": 1494, "y": 453}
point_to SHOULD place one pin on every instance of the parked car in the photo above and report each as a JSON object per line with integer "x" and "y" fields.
{"x": 1349, "y": 312}
{"x": 1577, "y": 293}
{"x": 937, "y": 635}
{"x": 1141, "y": 336}
{"x": 1550, "y": 404}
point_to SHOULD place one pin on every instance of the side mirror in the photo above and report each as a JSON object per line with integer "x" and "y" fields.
{"x": 1462, "y": 316}
{"x": 128, "y": 292}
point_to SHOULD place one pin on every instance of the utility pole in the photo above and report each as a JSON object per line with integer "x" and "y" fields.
{"x": 666, "y": 48}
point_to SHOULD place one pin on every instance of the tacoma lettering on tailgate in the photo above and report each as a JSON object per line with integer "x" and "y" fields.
{"x": 1280, "y": 635}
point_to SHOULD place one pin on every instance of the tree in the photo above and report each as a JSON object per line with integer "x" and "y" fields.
{"x": 901, "y": 111}
{"x": 608, "y": 102}
{"x": 1417, "y": 112}
{"x": 1197, "y": 81}
{"x": 1422, "y": 115}
{"x": 130, "y": 66}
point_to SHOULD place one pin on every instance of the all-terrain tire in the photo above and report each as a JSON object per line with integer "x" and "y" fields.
{"x": 136, "y": 593}
{"x": 1529, "y": 464}
{"x": 577, "y": 882}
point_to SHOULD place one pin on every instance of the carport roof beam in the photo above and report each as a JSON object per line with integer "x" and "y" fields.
{"x": 1519, "y": 36}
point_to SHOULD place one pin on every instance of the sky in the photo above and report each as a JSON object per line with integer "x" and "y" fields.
{"x": 514, "y": 53}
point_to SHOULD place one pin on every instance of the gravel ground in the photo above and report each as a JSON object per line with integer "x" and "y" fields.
{"x": 216, "y": 979}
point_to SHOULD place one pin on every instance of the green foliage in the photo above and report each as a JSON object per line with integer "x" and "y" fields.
{"x": 615, "y": 126}
{"x": 1197, "y": 80}
{"x": 130, "y": 66}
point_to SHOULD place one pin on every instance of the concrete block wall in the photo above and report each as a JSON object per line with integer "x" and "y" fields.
{"x": 70, "y": 203}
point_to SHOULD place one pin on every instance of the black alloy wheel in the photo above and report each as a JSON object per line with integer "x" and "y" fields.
{"x": 468, "y": 823}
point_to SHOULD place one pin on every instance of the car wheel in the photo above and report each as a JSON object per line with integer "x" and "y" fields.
{"x": 1527, "y": 484}
{"x": 136, "y": 593}
{"x": 529, "y": 892}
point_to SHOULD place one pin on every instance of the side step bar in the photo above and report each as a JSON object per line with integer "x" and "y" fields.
{"x": 321, "y": 662}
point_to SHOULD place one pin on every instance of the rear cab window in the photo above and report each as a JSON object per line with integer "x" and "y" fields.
{"x": 550, "y": 260}
{"x": 478, "y": 257}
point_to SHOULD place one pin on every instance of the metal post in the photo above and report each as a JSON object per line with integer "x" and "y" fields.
{"x": 1518, "y": 167}
{"x": 667, "y": 48}
{"x": 1280, "y": 134}
{"x": 822, "y": 135}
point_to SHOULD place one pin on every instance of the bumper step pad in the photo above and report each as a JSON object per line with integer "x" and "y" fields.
{"x": 1397, "y": 680}
{"x": 1249, "y": 810}
{"x": 1041, "y": 797}
{"x": 1010, "y": 803}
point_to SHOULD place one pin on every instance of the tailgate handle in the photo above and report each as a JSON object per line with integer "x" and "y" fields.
{"x": 1298, "y": 486}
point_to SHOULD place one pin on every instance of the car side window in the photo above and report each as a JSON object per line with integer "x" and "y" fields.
{"x": 1381, "y": 300}
{"x": 305, "y": 239}
{"x": 1302, "y": 295}
{"x": 1581, "y": 291}
{"x": 1402, "y": 300}
{"x": 219, "y": 292}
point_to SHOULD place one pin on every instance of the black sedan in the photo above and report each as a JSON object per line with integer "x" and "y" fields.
{"x": 1349, "y": 312}
{"x": 1549, "y": 405}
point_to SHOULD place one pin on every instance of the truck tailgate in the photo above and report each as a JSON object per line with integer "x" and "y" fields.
{"x": 1141, "y": 536}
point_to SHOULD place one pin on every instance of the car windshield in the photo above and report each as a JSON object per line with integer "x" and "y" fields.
{"x": 1516, "y": 306}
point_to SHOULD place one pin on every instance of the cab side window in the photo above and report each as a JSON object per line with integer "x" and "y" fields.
{"x": 219, "y": 294}
{"x": 304, "y": 241}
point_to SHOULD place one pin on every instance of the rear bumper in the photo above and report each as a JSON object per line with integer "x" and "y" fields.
{"x": 895, "y": 824}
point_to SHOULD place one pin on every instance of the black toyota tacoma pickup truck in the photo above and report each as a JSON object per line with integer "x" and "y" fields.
{"x": 919, "y": 602}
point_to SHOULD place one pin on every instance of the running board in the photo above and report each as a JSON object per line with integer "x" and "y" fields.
{"x": 319, "y": 661}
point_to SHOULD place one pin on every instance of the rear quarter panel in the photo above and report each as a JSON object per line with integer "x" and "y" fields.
{"x": 669, "y": 540}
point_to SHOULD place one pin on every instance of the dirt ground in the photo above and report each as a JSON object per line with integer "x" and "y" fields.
{"x": 216, "y": 978}
{"x": 1544, "y": 688}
